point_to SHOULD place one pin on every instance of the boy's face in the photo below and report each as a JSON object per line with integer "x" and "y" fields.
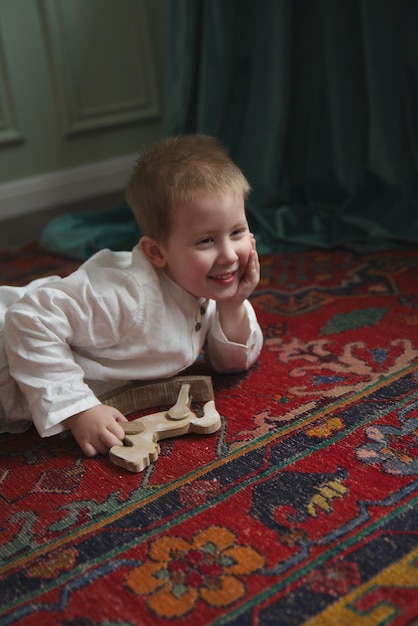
{"x": 209, "y": 245}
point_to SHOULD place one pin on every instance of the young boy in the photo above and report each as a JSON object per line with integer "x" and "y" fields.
{"x": 137, "y": 315}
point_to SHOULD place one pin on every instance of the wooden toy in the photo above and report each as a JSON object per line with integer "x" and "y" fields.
{"x": 142, "y": 435}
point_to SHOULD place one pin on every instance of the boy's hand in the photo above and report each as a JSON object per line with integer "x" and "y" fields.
{"x": 232, "y": 314}
{"x": 250, "y": 278}
{"x": 97, "y": 430}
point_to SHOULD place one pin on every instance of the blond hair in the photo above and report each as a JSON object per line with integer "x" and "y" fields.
{"x": 175, "y": 171}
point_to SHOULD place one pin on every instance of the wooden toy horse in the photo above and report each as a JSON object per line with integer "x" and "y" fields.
{"x": 142, "y": 435}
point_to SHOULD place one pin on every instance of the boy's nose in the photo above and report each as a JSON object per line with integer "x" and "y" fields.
{"x": 227, "y": 253}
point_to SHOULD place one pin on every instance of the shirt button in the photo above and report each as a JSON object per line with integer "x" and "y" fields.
{"x": 198, "y": 327}
{"x": 202, "y": 310}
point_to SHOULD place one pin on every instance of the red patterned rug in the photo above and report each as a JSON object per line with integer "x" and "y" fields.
{"x": 302, "y": 509}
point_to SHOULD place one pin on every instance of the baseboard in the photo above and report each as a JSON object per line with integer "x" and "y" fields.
{"x": 52, "y": 190}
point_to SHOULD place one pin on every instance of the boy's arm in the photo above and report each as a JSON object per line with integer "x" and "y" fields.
{"x": 235, "y": 340}
{"x": 234, "y": 322}
{"x": 232, "y": 313}
{"x": 227, "y": 356}
{"x": 40, "y": 333}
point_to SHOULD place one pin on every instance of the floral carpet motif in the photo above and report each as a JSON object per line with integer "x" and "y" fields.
{"x": 301, "y": 509}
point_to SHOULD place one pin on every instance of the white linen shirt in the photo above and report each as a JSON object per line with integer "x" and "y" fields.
{"x": 114, "y": 320}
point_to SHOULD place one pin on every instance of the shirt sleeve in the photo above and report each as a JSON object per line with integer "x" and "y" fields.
{"x": 43, "y": 330}
{"x": 228, "y": 357}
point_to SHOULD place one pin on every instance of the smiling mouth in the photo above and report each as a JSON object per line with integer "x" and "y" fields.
{"x": 226, "y": 276}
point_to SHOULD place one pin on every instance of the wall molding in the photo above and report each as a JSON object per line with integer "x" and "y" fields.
{"x": 93, "y": 93}
{"x": 48, "y": 191}
{"x": 9, "y": 127}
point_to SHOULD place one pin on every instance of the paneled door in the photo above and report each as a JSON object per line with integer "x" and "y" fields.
{"x": 81, "y": 84}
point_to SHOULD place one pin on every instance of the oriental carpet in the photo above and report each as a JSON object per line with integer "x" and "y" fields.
{"x": 301, "y": 509}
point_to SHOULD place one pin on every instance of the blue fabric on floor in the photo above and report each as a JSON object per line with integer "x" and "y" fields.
{"x": 80, "y": 235}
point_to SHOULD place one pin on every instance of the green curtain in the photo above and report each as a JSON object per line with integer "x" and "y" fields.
{"x": 317, "y": 101}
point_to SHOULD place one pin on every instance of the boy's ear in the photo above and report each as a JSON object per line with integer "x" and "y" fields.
{"x": 153, "y": 251}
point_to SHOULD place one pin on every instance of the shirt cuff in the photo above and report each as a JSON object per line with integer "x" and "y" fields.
{"x": 54, "y": 423}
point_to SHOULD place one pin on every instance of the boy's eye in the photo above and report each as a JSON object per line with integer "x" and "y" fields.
{"x": 204, "y": 242}
{"x": 238, "y": 232}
